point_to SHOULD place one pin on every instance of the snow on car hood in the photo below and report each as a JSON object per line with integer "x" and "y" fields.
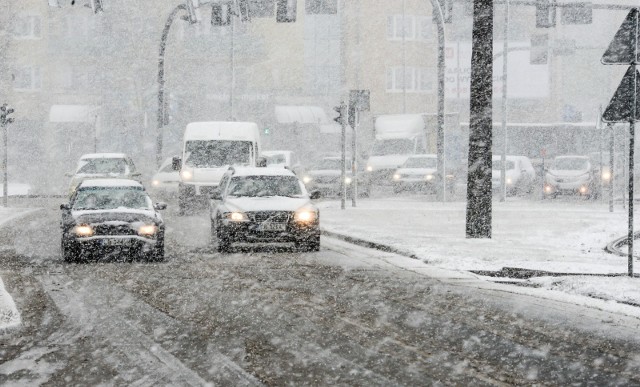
{"x": 118, "y": 215}
{"x": 387, "y": 162}
{"x": 416, "y": 171}
{"x": 327, "y": 172}
{"x": 269, "y": 203}
{"x": 568, "y": 172}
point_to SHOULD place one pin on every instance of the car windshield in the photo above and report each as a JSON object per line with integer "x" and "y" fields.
{"x": 258, "y": 186}
{"x": 421, "y": 162}
{"x": 109, "y": 198}
{"x": 570, "y": 164}
{"x": 399, "y": 146}
{"x": 276, "y": 159}
{"x": 213, "y": 154}
{"x": 103, "y": 166}
{"x": 497, "y": 165}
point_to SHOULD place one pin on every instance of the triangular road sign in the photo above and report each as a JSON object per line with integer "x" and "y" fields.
{"x": 622, "y": 50}
{"x": 621, "y": 105}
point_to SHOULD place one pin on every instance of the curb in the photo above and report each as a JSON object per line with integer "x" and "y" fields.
{"x": 369, "y": 244}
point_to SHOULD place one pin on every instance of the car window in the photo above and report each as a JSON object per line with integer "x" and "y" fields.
{"x": 497, "y": 165}
{"x": 259, "y": 186}
{"x": 104, "y": 166}
{"x": 107, "y": 198}
{"x": 421, "y": 162}
{"x": 570, "y": 164}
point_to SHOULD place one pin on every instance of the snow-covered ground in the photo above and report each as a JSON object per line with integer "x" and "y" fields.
{"x": 560, "y": 236}
{"x": 9, "y": 315}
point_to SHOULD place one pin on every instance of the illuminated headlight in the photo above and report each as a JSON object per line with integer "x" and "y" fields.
{"x": 396, "y": 176}
{"x": 369, "y": 168}
{"x": 583, "y": 189}
{"x": 148, "y": 229}
{"x": 606, "y": 175}
{"x": 237, "y": 216}
{"x": 347, "y": 180}
{"x": 548, "y": 188}
{"x": 306, "y": 179}
{"x": 186, "y": 174}
{"x": 429, "y": 177}
{"x": 155, "y": 183}
{"x": 305, "y": 216}
{"x": 83, "y": 231}
{"x": 509, "y": 181}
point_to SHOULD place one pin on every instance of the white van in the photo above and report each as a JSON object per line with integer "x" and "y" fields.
{"x": 209, "y": 149}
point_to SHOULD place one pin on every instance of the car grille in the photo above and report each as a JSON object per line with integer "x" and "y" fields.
{"x": 328, "y": 179}
{"x": 124, "y": 229}
{"x": 273, "y": 216}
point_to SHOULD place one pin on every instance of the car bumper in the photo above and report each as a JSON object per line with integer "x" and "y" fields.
{"x": 250, "y": 232}
{"x": 128, "y": 245}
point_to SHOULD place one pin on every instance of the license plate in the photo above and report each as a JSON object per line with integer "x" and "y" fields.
{"x": 273, "y": 227}
{"x": 115, "y": 242}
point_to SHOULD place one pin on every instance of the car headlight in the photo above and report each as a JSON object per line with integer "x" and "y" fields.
{"x": 347, "y": 180}
{"x": 155, "y": 183}
{"x": 369, "y": 168}
{"x": 306, "y": 179}
{"x": 186, "y": 174}
{"x": 83, "y": 230}
{"x": 237, "y": 216}
{"x": 429, "y": 177}
{"x": 509, "y": 181}
{"x": 305, "y": 216}
{"x": 396, "y": 176}
{"x": 148, "y": 229}
{"x": 606, "y": 175}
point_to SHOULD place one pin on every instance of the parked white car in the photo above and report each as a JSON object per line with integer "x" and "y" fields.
{"x": 283, "y": 159}
{"x": 572, "y": 175}
{"x": 420, "y": 173}
{"x": 164, "y": 183}
{"x": 519, "y": 172}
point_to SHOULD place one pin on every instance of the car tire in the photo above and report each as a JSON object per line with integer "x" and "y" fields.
{"x": 70, "y": 253}
{"x": 311, "y": 244}
{"x": 224, "y": 244}
{"x": 157, "y": 254}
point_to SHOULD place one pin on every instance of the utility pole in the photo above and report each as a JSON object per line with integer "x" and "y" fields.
{"x": 5, "y": 120}
{"x": 479, "y": 212}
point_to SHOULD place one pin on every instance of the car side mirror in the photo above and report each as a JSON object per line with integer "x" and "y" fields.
{"x": 136, "y": 174}
{"x": 176, "y": 163}
{"x": 216, "y": 194}
{"x": 160, "y": 206}
{"x": 65, "y": 206}
{"x": 315, "y": 195}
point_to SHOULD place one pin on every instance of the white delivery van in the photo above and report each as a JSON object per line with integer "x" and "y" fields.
{"x": 208, "y": 150}
{"x": 397, "y": 136}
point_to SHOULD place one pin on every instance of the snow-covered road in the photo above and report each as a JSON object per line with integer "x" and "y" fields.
{"x": 346, "y": 315}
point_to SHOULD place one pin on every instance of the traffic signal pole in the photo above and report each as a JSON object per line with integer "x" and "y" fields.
{"x": 4, "y": 122}
{"x": 343, "y": 172}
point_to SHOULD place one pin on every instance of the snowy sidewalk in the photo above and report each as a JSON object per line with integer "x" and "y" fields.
{"x": 560, "y": 236}
{"x": 9, "y": 315}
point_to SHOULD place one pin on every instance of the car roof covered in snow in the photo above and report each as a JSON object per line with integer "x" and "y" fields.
{"x": 118, "y": 183}
{"x": 260, "y": 171}
{"x": 103, "y": 156}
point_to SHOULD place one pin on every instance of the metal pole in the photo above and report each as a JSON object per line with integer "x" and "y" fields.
{"x": 160, "y": 116}
{"x": 630, "y": 235}
{"x": 404, "y": 57}
{"x": 5, "y": 180}
{"x": 440, "y": 140}
{"x": 505, "y": 56}
{"x": 611, "y": 166}
{"x": 343, "y": 172}
{"x": 233, "y": 70}
{"x": 354, "y": 162}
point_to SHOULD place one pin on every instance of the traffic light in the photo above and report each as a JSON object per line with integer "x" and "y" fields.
{"x": 545, "y": 13}
{"x": 4, "y": 115}
{"x": 220, "y": 14}
{"x": 539, "y": 53}
{"x": 352, "y": 116}
{"x": 286, "y": 11}
{"x": 193, "y": 14}
{"x": 340, "y": 110}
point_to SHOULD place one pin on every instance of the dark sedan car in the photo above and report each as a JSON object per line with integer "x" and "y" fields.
{"x": 114, "y": 217}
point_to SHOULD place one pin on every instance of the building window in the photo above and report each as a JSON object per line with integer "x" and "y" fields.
{"x": 27, "y": 78}
{"x": 415, "y": 27}
{"x": 321, "y": 7}
{"x": 27, "y": 27}
{"x": 411, "y": 79}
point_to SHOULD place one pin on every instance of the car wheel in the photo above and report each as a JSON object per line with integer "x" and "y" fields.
{"x": 157, "y": 254}
{"x": 70, "y": 253}
{"x": 224, "y": 244}
{"x": 311, "y": 244}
